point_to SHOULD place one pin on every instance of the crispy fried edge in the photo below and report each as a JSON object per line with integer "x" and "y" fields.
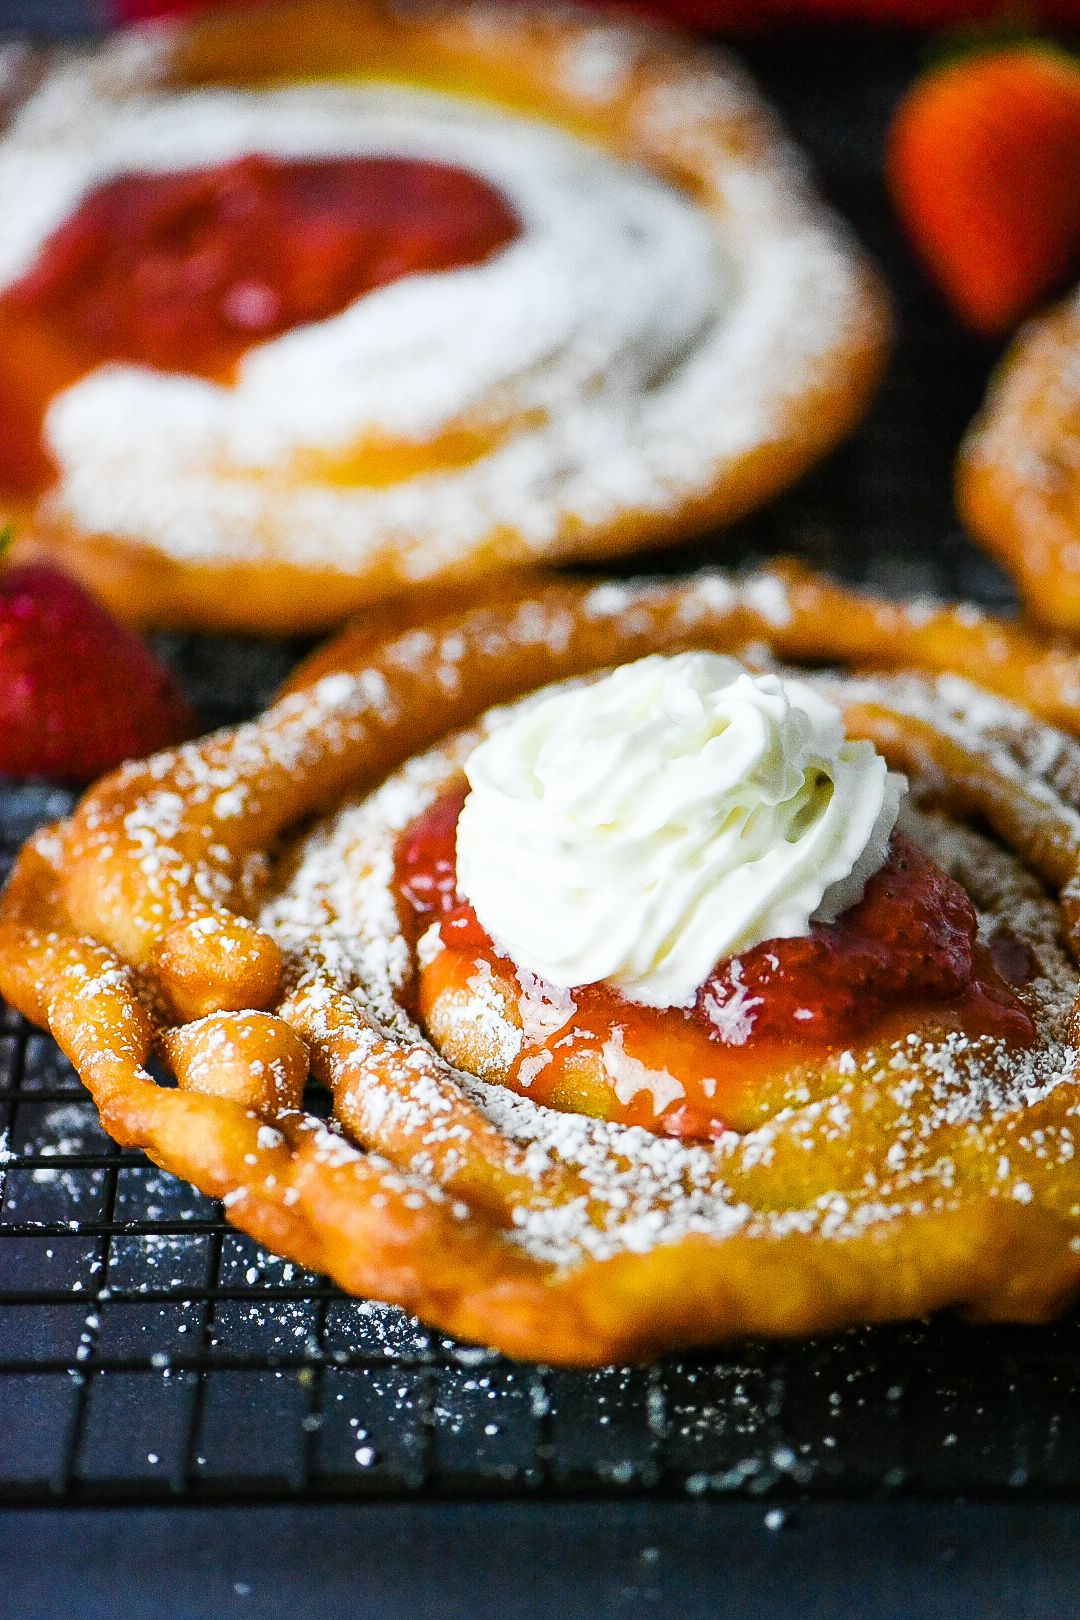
{"x": 518, "y": 60}
{"x": 91, "y": 898}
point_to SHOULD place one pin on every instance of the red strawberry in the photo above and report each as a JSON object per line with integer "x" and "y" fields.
{"x": 983, "y": 163}
{"x": 78, "y": 693}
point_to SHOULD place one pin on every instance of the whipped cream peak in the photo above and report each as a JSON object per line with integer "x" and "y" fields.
{"x": 677, "y": 812}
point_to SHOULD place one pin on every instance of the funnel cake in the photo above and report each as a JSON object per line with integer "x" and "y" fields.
{"x": 663, "y": 328}
{"x": 1018, "y": 471}
{"x": 190, "y": 905}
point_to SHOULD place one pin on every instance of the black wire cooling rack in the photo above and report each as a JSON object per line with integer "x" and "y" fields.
{"x": 148, "y": 1351}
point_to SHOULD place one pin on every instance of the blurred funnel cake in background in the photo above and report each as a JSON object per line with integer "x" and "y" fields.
{"x": 983, "y": 166}
{"x": 1018, "y": 471}
{"x": 307, "y": 307}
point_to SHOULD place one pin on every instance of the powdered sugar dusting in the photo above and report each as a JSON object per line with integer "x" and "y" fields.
{"x": 342, "y": 889}
{"x": 621, "y": 353}
{"x": 640, "y": 1189}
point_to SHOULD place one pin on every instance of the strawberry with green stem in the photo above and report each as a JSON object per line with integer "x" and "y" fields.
{"x": 983, "y": 164}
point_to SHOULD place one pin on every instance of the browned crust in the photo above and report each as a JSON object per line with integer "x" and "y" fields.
{"x": 1018, "y": 469}
{"x": 90, "y": 901}
{"x": 512, "y": 58}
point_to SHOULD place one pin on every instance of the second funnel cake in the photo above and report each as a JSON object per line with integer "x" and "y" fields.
{"x": 649, "y": 326}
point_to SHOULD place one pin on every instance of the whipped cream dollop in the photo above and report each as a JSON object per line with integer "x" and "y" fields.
{"x": 640, "y": 829}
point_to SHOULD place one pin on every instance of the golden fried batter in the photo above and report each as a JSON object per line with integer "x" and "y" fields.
{"x": 1018, "y": 471}
{"x": 890, "y": 1182}
{"x": 266, "y": 502}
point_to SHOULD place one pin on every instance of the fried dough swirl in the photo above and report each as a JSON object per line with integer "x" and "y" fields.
{"x": 542, "y": 405}
{"x": 184, "y": 906}
{"x": 1018, "y": 470}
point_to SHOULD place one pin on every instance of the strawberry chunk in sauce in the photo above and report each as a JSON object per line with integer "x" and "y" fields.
{"x": 907, "y": 947}
{"x": 186, "y": 271}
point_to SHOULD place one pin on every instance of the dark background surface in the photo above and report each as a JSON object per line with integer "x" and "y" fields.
{"x": 514, "y": 1561}
{"x": 189, "y": 1428}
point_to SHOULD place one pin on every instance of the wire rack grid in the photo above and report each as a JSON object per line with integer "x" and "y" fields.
{"x": 149, "y": 1351}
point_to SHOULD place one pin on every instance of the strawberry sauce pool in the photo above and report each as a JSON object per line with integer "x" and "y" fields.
{"x": 903, "y": 957}
{"x": 184, "y": 272}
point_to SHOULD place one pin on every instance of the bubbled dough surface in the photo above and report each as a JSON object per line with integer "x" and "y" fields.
{"x": 337, "y": 902}
{"x": 1018, "y": 472}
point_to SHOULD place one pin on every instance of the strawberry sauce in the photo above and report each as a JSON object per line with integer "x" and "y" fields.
{"x": 905, "y": 956}
{"x": 184, "y": 272}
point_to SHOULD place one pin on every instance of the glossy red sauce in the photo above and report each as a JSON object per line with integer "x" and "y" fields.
{"x": 907, "y": 948}
{"x": 184, "y": 272}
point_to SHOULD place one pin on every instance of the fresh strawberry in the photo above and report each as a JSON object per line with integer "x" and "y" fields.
{"x": 983, "y": 163}
{"x": 78, "y": 693}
